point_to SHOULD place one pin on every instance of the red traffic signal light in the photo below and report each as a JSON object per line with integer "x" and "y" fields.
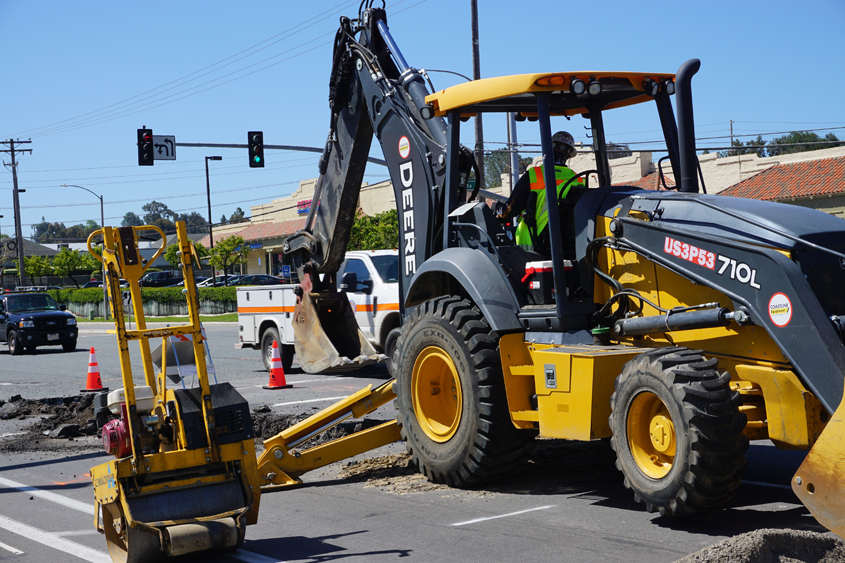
{"x": 145, "y": 147}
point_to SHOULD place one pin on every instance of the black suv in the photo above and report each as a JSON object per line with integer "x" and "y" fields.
{"x": 28, "y": 320}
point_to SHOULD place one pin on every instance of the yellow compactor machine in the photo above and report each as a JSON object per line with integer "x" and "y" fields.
{"x": 186, "y": 477}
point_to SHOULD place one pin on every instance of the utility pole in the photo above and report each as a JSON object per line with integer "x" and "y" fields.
{"x": 476, "y": 74}
{"x": 15, "y": 191}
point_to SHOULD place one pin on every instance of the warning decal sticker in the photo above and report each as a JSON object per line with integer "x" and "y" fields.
{"x": 404, "y": 147}
{"x": 780, "y": 309}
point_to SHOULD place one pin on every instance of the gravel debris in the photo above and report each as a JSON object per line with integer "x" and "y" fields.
{"x": 773, "y": 546}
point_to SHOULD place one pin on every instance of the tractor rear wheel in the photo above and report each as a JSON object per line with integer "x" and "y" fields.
{"x": 677, "y": 431}
{"x": 451, "y": 396}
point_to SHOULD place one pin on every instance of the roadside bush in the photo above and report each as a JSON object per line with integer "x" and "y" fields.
{"x": 89, "y": 295}
{"x": 158, "y": 294}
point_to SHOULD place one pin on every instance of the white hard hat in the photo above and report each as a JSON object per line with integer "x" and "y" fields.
{"x": 563, "y": 142}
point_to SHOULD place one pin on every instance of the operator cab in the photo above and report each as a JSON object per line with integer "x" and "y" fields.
{"x": 561, "y": 267}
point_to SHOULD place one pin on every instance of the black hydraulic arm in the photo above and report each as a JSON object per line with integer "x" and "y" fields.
{"x": 373, "y": 92}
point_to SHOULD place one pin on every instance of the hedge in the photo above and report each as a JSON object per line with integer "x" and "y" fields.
{"x": 158, "y": 294}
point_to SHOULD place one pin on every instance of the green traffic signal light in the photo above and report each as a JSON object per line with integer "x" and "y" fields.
{"x": 256, "y": 149}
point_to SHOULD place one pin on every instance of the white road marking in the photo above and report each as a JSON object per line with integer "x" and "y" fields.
{"x": 77, "y": 533}
{"x": 762, "y": 484}
{"x": 504, "y": 515}
{"x": 319, "y": 379}
{"x": 309, "y": 401}
{"x": 52, "y": 497}
{"x": 54, "y": 541}
{"x": 10, "y": 548}
{"x": 304, "y": 381}
{"x": 250, "y": 557}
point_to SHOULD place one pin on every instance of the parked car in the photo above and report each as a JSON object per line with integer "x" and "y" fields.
{"x": 258, "y": 279}
{"x": 220, "y": 281}
{"x": 29, "y": 320}
{"x": 161, "y": 279}
{"x": 197, "y": 280}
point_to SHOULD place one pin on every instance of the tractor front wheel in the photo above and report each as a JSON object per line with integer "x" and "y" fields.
{"x": 677, "y": 432}
{"x": 451, "y": 396}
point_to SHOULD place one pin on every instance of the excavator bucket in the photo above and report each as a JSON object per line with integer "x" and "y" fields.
{"x": 818, "y": 483}
{"x": 326, "y": 336}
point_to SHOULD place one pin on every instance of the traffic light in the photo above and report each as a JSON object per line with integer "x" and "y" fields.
{"x": 145, "y": 147}
{"x": 256, "y": 149}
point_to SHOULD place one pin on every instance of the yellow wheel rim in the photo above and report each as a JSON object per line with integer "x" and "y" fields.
{"x": 437, "y": 396}
{"x": 651, "y": 435}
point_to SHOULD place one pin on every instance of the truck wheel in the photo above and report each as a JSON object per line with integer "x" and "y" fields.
{"x": 69, "y": 346}
{"x": 15, "y": 347}
{"x": 267, "y": 339}
{"x": 390, "y": 350}
{"x": 451, "y": 396}
{"x": 677, "y": 431}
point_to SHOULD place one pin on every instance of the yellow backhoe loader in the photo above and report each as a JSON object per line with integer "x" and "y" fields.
{"x": 677, "y": 324}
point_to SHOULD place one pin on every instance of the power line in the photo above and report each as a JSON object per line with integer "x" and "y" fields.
{"x": 181, "y": 79}
{"x": 111, "y": 115}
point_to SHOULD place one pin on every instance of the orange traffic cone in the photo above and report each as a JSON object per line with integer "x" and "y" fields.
{"x": 94, "y": 384}
{"x": 277, "y": 372}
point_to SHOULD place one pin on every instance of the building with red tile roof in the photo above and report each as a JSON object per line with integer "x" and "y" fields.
{"x": 819, "y": 184}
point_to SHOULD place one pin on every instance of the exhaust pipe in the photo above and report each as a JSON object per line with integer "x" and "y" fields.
{"x": 686, "y": 126}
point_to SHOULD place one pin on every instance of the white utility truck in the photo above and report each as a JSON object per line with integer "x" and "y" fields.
{"x": 371, "y": 281}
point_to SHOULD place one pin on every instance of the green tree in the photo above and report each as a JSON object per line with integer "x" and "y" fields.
{"x": 757, "y": 146}
{"x": 373, "y": 232}
{"x": 229, "y": 252}
{"x": 67, "y": 262}
{"x": 174, "y": 260}
{"x": 237, "y": 215}
{"x": 499, "y": 162}
{"x": 223, "y": 219}
{"x": 194, "y": 222}
{"x": 803, "y": 137}
{"x": 159, "y": 215}
{"x": 131, "y": 220}
{"x": 37, "y": 266}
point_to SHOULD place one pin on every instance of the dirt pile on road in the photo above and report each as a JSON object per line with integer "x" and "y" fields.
{"x": 58, "y": 421}
{"x": 62, "y": 418}
{"x": 394, "y": 473}
{"x": 773, "y": 546}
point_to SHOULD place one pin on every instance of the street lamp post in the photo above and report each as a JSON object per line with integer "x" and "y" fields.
{"x": 208, "y": 193}
{"x": 103, "y": 226}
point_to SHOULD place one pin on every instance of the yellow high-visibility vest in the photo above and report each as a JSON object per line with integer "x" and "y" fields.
{"x": 541, "y": 211}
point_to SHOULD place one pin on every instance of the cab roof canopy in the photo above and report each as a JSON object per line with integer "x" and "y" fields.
{"x": 516, "y": 93}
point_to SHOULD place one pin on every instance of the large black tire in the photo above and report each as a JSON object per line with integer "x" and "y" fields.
{"x": 677, "y": 432}
{"x": 390, "y": 350}
{"x": 15, "y": 347}
{"x": 451, "y": 396}
{"x": 267, "y": 339}
{"x": 69, "y": 346}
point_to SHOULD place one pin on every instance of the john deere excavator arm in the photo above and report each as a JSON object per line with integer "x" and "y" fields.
{"x": 373, "y": 92}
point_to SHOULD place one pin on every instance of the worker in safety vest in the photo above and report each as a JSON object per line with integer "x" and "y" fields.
{"x": 529, "y": 196}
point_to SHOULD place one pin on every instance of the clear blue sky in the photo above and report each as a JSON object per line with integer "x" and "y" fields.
{"x": 81, "y": 77}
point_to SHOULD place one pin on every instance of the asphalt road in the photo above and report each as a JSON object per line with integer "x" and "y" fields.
{"x": 571, "y": 508}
